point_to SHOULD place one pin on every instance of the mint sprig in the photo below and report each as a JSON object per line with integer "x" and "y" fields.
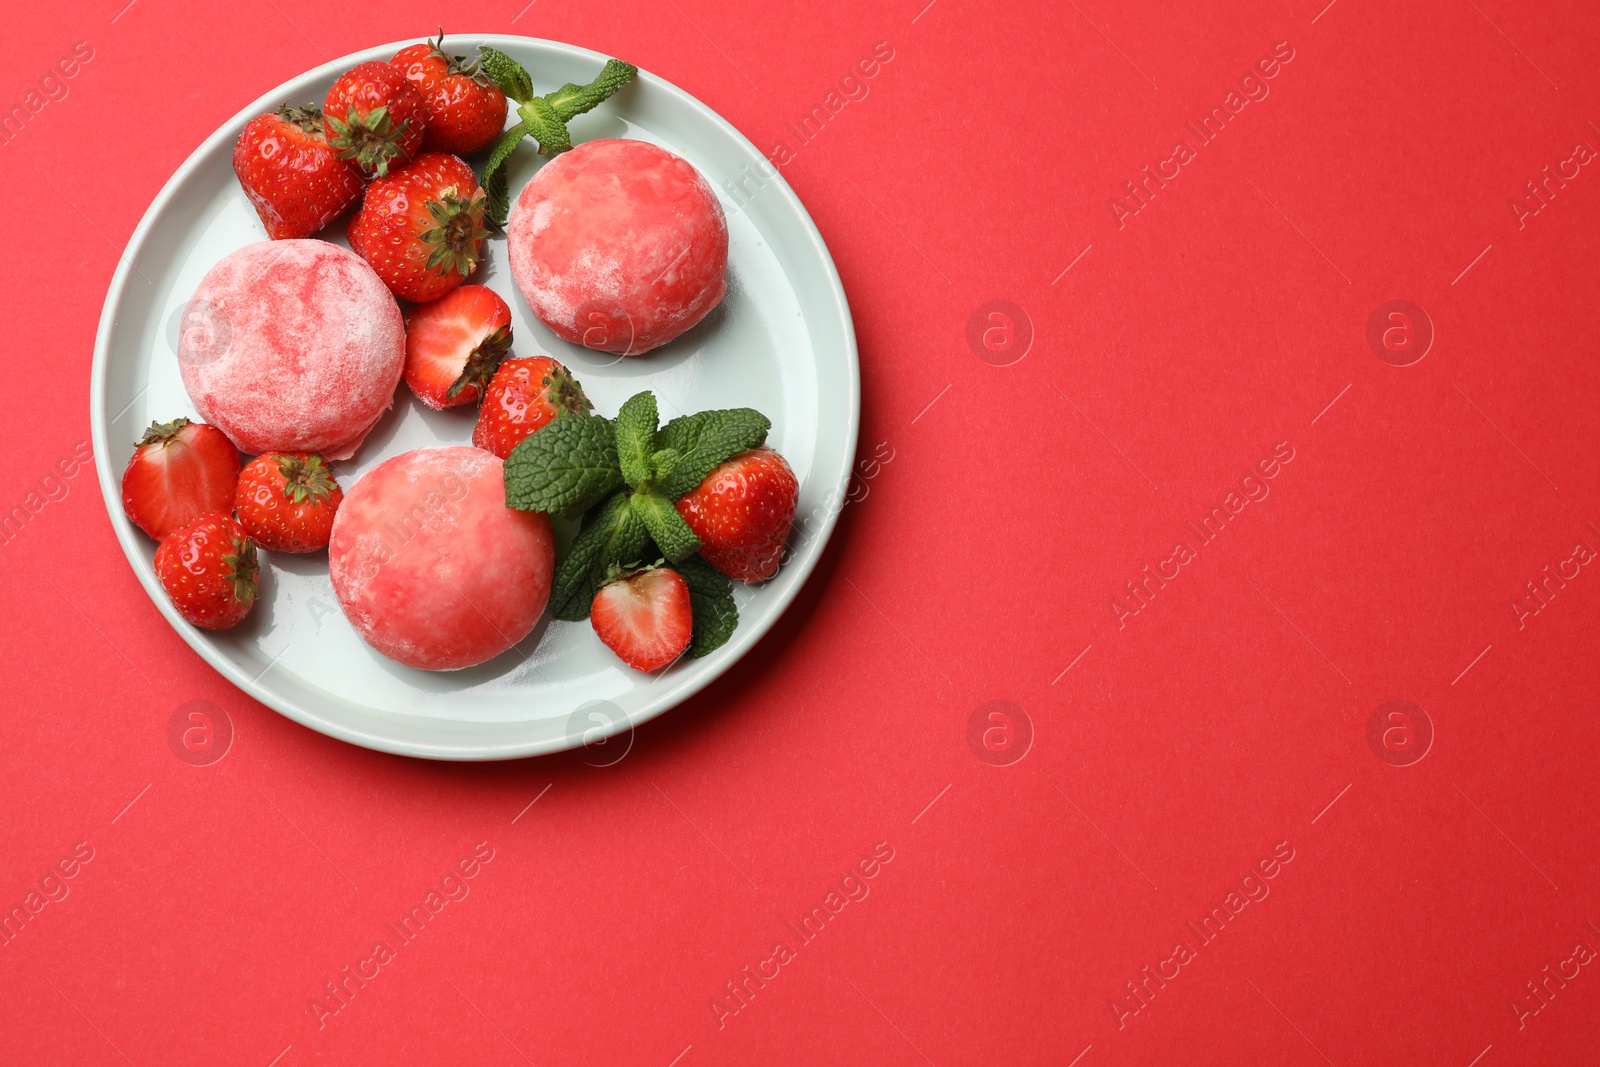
{"x": 544, "y": 118}
{"x": 626, "y": 475}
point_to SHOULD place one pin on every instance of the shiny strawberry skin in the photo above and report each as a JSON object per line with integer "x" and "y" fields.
{"x": 286, "y": 501}
{"x": 454, "y": 345}
{"x": 179, "y": 471}
{"x": 376, "y": 146}
{"x": 291, "y": 175}
{"x": 645, "y": 617}
{"x": 421, "y": 227}
{"x": 466, "y": 109}
{"x": 210, "y": 572}
{"x": 741, "y": 512}
{"x": 524, "y": 395}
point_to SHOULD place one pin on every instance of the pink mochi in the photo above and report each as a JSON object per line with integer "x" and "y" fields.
{"x": 619, "y": 246}
{"x": 431, "y": 567}
{"x": 292, "y": 346}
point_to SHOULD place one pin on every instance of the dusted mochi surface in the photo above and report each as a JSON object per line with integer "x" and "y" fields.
{"x": 292, "y": 346}
{"x": 619, "y": 246}
{"x": 429, "y": 564}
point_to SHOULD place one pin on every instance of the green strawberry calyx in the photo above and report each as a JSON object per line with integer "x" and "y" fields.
{"x": 306, "y": 479}
{"x": 471, "y": 68}
{"x": 307, "y": 116}
{"x": 160, "y": 433}
{"x": 242, "y": 570}
{"x": 371, "y": 140}
{"x": 453, "y": 242}
{"x": 564, "y": 392}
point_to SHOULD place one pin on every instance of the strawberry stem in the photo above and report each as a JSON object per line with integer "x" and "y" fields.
{"x": 544, "y": 118}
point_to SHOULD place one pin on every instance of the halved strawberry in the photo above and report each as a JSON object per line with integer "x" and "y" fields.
{"x": 179, "y": 471}
{"x": 455, "y": 344}
{"x": 741, "y": 512}
{"x": 644, "y": 617}
{"x": 523, "y": 396}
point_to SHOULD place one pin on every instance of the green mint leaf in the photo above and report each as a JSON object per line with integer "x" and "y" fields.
{"x": 704, "y": 440}
{"x": 574, "y": 605}
{"x": 571, "y": 100}
{"x": 611, "y": 533}
{"x": 497, "y": 200}
{"x": 565, "y": 467}
{"x": 636, "y": 437}
{"x": 666, "y": 526}
{"x": 664, "y": 462}
{"x": 507, "y": 74}
{"x": 546, "y": 126}
{"x": 716, "y": 615}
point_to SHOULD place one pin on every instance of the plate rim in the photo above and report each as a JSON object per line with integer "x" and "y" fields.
{"x": 132, "y": 541}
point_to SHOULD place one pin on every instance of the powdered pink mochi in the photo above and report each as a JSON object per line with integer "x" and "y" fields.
{"x": 619, "y": 246}
{"x": 292, "y": 346}
{"x": 429, "y": 564}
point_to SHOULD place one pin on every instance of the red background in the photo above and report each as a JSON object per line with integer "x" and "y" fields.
{"x": 1179, "y": 749}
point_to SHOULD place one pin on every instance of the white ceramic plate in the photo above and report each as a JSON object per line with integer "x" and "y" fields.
{"x": 782, "y": 342}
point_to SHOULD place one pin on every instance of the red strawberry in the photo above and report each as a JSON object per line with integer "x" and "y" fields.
{"x": 179, "y": 471}
{"x": 209, "y": 570}
{"x": 466, "y": 109}
{"x": 455, "y": 344}
{"x": 524, "y": 395}
{"x": 741, "y": 512}
{"x": 421, "y": 228}
{"x": 644, "y": 617}
{"x": 286, "y": 501}
{"x": 375, "y": 117}
{"x": 291, "y": 174}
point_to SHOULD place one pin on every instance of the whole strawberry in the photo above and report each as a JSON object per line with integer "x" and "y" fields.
{"x": 455, "y": 344}
{"x": 741, "y": 512}
{"x": 287, "y": 500}
{"x": 209, "y": 570}
{"x": 375, "y": 117}
{"x": 466, "y": 109}
{"x": 179, "y": 471}
{"x": 523, "y": 396}
{"x": 421, "y": 227}
{"x": 291, "y": 174}
{"x": 644, "y": 616}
